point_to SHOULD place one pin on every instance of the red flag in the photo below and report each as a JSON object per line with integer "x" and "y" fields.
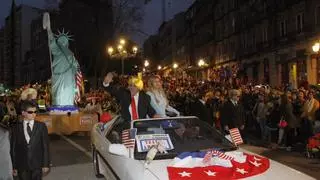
{"x": 236, "y": 136}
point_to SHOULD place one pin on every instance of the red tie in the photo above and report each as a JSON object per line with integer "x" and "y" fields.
{"x": 134, "y": 113}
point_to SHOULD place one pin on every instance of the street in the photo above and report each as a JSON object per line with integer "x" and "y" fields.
{"x": 68, "y": 161}
{"x": 71, "y": 158}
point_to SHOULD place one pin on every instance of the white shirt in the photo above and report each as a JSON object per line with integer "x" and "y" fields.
{"x": 26, "y": 135}
{"x": 136, "y": 99}
{"x": 202, "y": 101}
{"x": 234, "y": 102}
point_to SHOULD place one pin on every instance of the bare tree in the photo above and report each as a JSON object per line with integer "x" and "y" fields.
{"x": 128, "y": 16}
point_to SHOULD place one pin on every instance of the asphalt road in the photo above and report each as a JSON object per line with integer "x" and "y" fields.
{"x": 71, "y": 158}
{"x": 69, "y": 161}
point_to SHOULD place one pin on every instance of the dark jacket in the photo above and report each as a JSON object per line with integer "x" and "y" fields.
{"x": 202, "y": 111}
{"x": 34, "y": 155}
{"x": 123, "y": 97}
{"x": 231, "y": 115}
{"x": 287, "y": 113}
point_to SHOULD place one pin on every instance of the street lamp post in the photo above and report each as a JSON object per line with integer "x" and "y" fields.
{"x": 316, "y": 48}
{"x": 201, "y": 63}
{"x": 122, "y": 52}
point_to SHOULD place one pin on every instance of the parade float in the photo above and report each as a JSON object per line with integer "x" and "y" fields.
{"x": 63, "y": 116}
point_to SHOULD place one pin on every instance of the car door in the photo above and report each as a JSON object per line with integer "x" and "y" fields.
{"x": 114, "y": 164}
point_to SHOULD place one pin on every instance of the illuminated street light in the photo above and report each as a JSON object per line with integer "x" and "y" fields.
{"x": 144, "y": 69}
{"x": 201, "y": 63}
{"x": 316, "y": 47}
{"x": 146, "y": 63}
{"x": 110, "y": 50}
{"x": 175, "y": 66}
{"x": 135, "y": 49}
{"x": 122, "y": 51}
{"x": 122, "y": 41}
{"x": 159, "y": 67}
{"x": 120, "y": 47}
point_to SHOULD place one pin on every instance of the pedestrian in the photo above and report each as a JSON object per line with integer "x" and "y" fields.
{"x": 5, "y": 159}
{"x": 30, "y": 145}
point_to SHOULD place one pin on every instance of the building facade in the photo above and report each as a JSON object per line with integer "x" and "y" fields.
{"x": 37, "y": 66}
{"x": 200, "y": 32}
{"x": 270, "y": 40}
{"x": 2, "y": 43}
{"x": 171, "y": 40}
{"x": 17, "y": 42}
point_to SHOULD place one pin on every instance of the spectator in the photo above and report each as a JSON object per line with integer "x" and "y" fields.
{"x": 5, "y": 159}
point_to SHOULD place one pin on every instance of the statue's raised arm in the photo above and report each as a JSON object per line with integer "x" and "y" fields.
{"x": 47, "y": 25}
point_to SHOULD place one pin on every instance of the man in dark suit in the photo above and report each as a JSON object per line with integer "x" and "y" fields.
{"x": 30, "y": 145}
{"x": 134, "y": 102}
{"x": 202, "y": 110}
{"x": 232, "y": 112}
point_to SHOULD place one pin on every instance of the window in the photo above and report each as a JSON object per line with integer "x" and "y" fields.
{"x": 283, "y": 28}
{"x": 114, "y": 135}
{"x": 254, "y": 37}
{"x": 318, "y": 15}
{"x": 264, "y": 34}
{"x": 233, "y": 24}
{"x": 299, "y": 22}
{"x": 232, "y": 4}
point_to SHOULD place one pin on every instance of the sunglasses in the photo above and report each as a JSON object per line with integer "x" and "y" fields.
{"x": 31, "y": 112}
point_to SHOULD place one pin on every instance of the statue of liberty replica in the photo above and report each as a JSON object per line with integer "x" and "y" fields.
{"x": 64, "y": 67}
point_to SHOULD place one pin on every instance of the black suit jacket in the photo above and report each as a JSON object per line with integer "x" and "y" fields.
{"x": 34, "y": 155}
{"x": 123, "y": 97}
{"x": 231, "y": 115}
{"x": 202, "y": 111}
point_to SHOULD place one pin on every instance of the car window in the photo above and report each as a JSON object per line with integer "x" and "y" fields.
{"x": 114, "y": 134}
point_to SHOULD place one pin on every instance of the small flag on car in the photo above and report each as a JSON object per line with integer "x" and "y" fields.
{"x": 236, "y": 136}
{"x": 128, "y": 137}
{"x": 207, "y": 157}
{"x": 221, "y": 155}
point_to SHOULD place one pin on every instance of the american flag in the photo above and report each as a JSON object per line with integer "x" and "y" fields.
{"x": 79, "y": 85}
{"x": 207, "y": 157}
{"x": 221, "y": 155}
{"x": 236, "y": 136}
{"x": 128, "y": 137}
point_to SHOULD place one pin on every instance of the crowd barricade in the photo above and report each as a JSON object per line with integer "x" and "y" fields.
{"x": 68, "y": 124}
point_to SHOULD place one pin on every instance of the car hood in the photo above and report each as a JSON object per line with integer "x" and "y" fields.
{"x": 158, "y": 168}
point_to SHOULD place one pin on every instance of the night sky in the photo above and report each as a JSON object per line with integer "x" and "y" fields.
{"x": 150, "y": 25}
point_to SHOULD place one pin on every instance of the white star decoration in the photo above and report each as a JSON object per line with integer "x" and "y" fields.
{"x": 255, "y": 163}
{"x": 185, "y": 174}
{"x": 256, "y": 159}
{"x": 242, "y": 171}
{"x": 210, "y": 173}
